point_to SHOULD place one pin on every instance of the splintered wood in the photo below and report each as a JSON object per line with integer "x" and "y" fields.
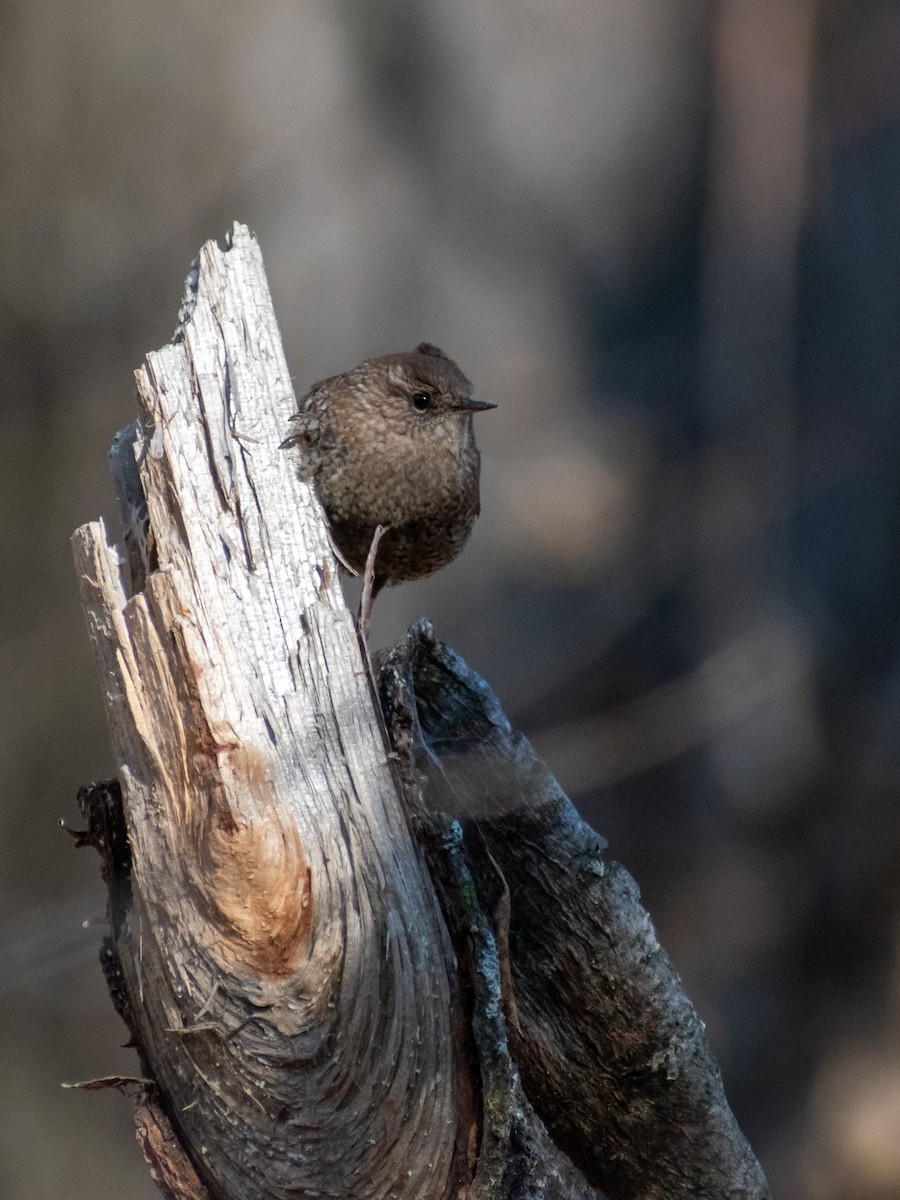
{"x": 283, "y": 954}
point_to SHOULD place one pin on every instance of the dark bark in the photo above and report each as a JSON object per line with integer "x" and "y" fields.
{"x": 610, "y": 1051}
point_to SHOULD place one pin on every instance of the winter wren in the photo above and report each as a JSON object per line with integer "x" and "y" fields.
{"x": 390, "y": 443}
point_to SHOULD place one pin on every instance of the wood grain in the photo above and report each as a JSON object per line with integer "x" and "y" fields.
{"x": 286, "y": 964}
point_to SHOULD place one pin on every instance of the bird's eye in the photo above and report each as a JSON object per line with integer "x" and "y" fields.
{"x": 420, "y": 401}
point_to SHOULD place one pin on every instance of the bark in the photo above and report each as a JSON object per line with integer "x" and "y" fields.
{"x": 611, "y": 1053}
{"x": 351, "y": 967}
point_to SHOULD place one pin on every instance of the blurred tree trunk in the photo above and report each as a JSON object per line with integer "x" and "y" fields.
{"x": 351, "y": 966}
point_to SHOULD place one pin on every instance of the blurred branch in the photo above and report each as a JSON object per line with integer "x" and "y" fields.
{"x": 764, "y": 668}
{"x": 762, "y": 63}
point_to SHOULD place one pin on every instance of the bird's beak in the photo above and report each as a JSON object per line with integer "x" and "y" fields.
{"x": 473, "y": 405}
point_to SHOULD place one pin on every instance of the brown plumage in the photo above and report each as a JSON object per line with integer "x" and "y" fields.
{"x": 391, "y": 443}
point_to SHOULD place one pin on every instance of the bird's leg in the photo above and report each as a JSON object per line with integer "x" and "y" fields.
{"x": 336, "y": 551}
{"x": 370, "y": 586}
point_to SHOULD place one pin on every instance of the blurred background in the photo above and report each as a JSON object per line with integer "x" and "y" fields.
{"x": 665, "y": 239}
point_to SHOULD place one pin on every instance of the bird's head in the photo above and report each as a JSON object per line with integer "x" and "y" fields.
{"x": 421, "y": 390}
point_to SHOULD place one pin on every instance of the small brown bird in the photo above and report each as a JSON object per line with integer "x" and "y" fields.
{"x": 390, "y": 449}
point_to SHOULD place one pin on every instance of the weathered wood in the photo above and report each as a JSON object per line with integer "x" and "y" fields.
{"x": 283, "y": 959}
{"x": 612, "y": 1056}
{"x": 310, "y": 1021}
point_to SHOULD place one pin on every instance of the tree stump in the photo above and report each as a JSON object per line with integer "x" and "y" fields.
{"x": 364, "y": 945}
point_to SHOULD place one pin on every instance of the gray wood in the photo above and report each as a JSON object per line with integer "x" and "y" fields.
{"x": 285, "y": 959}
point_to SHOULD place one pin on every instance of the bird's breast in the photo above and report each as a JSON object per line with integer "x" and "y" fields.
{"x": 390, "y": 480}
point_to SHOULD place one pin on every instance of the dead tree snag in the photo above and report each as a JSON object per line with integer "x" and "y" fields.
{"x": 348, "y": 964}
